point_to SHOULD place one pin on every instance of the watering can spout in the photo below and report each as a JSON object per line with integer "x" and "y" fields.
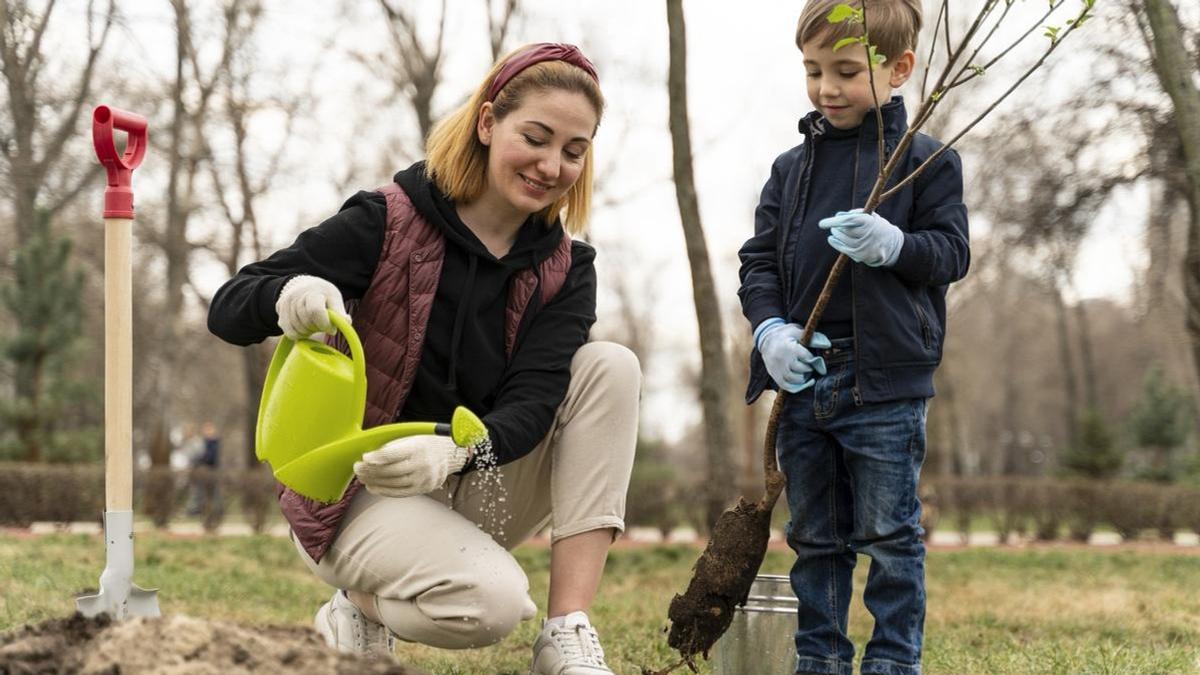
{"x": 310, "y": 416}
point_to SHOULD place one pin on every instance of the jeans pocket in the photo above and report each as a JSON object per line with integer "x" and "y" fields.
{"x": 826, "y": 390}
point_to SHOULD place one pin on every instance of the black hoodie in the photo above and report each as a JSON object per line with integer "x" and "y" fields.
{"x": 463, "y": 359}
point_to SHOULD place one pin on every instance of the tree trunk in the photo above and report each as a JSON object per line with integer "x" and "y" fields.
{"x": 1176, "y": 70}
{"x": 1087, "y": 362}
{"x": 255, "y": 359}
{"x": 714, "y": 377}
{"x": 174, "y": 250}
{"x": 1067, "y": 364}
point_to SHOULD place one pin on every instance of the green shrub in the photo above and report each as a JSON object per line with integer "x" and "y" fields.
{"x": 50, "y": 492}
{"x": 157, "y": 493}
{"x": 1083, "y": 502}
{"x": 256, "y": 492}
{"x": 1131, "y": 508}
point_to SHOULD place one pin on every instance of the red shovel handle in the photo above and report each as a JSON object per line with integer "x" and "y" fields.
{"x": 118, "y": 196}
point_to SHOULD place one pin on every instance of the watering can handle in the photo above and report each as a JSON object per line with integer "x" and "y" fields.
{"x": 344, "y": 327}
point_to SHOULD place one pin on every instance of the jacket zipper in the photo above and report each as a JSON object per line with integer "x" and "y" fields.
{"x": 801, "y": 195}
{"x": 854, "y": 391}
{"x": 926, "y": 328}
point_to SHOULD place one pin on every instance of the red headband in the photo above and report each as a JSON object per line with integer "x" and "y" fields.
{"x": 542, "y": 51}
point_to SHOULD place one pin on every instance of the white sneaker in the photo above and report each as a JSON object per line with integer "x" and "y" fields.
{"x": 570, "y": 649}
{"x": 346, "y": 629}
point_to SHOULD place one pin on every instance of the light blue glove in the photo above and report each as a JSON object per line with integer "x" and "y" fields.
{"x": 788, "y": 362}
{"x": 867, "y": 238}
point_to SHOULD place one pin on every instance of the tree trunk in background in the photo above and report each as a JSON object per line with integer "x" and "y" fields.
{"x": 1091, "y": 393}
{"x": 714, "y": 377}
{"x": 1165, "y": 299}
{"x": 957, "y": 462}
{"x": 174, "y": 248}
{"x": 255, "y": 359}
{"x": 1012, "y": 463}
{"x": 1175, "y": 66}
{"x": 1067, "y": 364}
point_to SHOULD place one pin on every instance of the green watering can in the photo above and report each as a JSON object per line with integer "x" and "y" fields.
{"x": 310, "y": 417}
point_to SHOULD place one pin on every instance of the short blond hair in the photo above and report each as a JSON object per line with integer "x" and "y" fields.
{"x": 457, "y": 161}
{"x": 894, "y": 24}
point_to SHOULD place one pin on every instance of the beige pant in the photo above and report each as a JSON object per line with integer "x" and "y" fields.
{"x": 438, "y": 564}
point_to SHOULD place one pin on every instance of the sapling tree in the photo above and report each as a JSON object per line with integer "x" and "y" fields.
{"x": 1161, "y": 421}
{"x": 727, "y": 568}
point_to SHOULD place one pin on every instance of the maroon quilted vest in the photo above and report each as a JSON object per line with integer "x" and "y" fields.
{"x": 390, "y": 320}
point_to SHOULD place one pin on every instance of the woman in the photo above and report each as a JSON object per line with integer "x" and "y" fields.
{"x": 466, "y": 290}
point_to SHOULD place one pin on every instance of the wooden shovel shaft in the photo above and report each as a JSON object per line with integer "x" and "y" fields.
{"x": 118, "y": 365}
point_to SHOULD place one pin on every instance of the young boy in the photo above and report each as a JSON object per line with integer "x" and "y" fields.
{"x": 851, "y": 438}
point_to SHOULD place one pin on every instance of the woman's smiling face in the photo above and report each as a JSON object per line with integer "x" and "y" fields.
{"x": 536, "y": 153}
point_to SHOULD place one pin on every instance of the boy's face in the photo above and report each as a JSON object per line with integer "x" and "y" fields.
{"x": 839, "y": 83}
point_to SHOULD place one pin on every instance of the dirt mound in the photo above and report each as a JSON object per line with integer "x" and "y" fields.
{"x": 179, "y": 645}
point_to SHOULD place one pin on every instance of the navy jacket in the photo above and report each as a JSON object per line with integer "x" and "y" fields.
{"x": 898, "y": 313}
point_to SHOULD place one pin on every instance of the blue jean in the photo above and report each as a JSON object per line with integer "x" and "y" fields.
{"x": 852, "y": 472}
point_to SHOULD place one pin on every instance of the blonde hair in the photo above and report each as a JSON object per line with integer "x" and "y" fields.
{"x": 894, "y": 25}
{"x": 457, "y": 161}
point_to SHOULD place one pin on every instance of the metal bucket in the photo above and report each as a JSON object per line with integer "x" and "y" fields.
{"x": 761, "y": 638}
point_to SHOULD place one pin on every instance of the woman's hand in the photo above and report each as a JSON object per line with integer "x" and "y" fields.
{"x": 302, "y": 306}
{"x": 414, "y": 465}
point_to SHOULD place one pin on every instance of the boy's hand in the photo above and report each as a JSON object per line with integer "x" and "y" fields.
{"x": 867, "y": 238}
{"x": 788, "y": 362}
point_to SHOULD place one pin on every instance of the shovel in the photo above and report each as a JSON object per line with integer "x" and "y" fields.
{"x": 119, "y": 597}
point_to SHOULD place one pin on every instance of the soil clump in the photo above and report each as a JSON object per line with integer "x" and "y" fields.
{"x": 178, "y": 645}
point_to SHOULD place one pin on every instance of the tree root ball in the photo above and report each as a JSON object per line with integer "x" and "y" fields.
{"x": 722, "y": 579}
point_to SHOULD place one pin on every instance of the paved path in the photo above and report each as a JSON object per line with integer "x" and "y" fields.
{"x": 634, "y": 536}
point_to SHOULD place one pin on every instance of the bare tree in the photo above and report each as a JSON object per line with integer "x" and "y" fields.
{"x": 42, "y": 110}
{"x": 40, "y": 116}
{"x": 413, "y": 64}
{"x": 194, "y": 93}
{"x": 1176, "y": 66}
{"x": 714, "y": 374}
{"x": 498, "y": 26}
{"x": 238, "y": 182}
{"x": 1045, "y": 211}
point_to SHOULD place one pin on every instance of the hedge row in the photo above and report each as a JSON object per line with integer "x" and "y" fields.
{"x": 64, "y": 493}
{"x": 1046, "y": 509}
{"x": 1041, "y": 509}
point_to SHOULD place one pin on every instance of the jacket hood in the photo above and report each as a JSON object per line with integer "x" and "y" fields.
{"x": 536, "y": 240}
{"x": 895, "y": 123}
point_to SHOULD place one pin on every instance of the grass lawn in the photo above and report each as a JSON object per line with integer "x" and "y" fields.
{"x": 1068, "y": 610}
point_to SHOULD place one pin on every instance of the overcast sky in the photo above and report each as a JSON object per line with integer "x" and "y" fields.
{"x": 745, "y": 90}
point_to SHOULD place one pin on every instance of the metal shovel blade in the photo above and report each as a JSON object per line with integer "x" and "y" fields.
{"x": 119, "y": 597}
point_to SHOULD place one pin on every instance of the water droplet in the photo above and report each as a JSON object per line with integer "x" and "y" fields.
{"x": 495, "y": 493}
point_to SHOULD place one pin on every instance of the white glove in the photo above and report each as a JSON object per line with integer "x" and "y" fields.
{"x": 302, "y": 303}
{"x": 867, "y": 238}
{"x": 410, "y": 466}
